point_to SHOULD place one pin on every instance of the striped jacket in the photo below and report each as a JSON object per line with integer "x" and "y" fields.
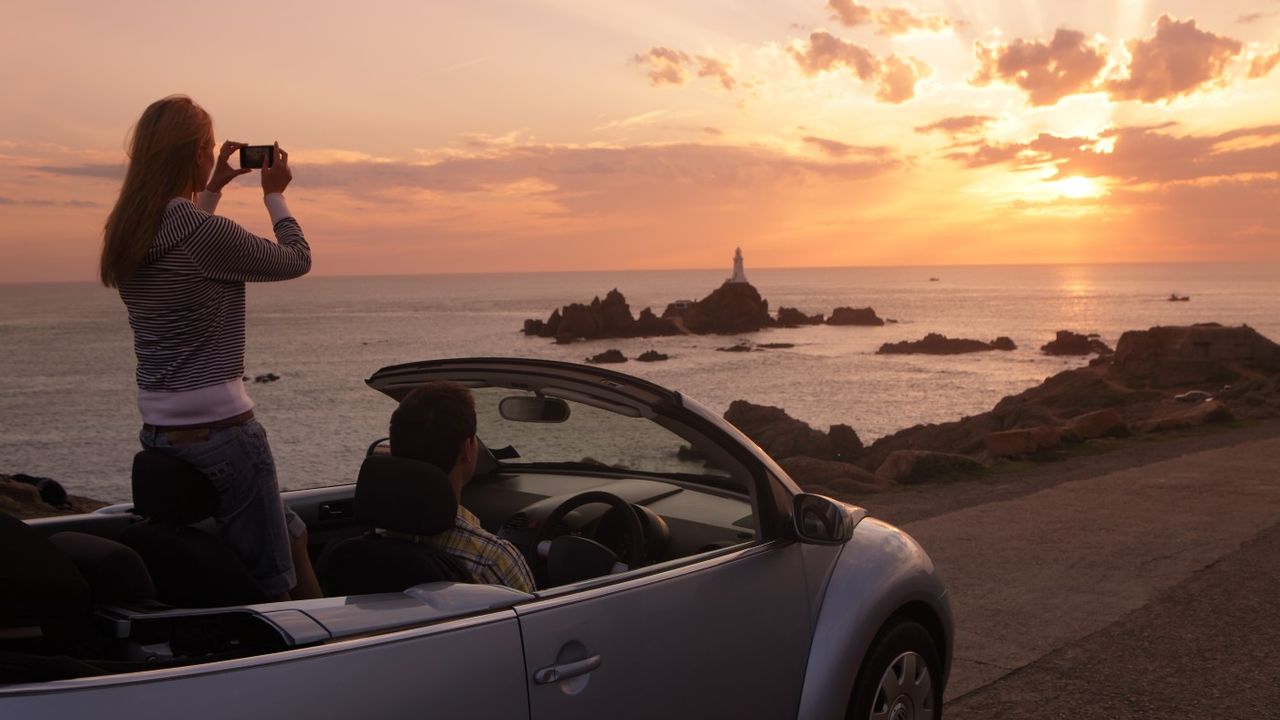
{"x": 187, "y": 302}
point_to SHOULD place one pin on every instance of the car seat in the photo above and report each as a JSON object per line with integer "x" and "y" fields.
{"x": 409, "y": 498}
{"x": 190, "y": 567}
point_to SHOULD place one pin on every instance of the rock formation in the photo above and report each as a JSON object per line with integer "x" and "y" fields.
{"x": 734, "y": 307}
{"x": 24, "y": 496}
{"x": 1070, "y": 343}
{"x": 854, "y": 316}
{"x": 936, "y": 344}
{"x": 608, "y": 356}
{"x": 652, "y": 356}
{"x": 599, "y": 319}
{"x": 791, "y": 317}
{"x": 1208, "y": 353}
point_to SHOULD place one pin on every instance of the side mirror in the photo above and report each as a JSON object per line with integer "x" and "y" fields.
{"x": 824, "y": 521}
{"x": 523, "y": 408}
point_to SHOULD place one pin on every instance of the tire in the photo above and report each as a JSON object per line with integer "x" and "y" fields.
{"x": 900, "y": 678}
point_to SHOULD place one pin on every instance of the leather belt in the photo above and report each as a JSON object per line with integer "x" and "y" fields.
{"x": 240, "y": 419}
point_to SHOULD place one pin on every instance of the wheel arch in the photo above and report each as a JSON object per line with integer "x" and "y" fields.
{"x": 881, "y": 574}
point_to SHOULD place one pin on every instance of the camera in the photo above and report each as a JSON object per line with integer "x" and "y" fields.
{"x": 257, "y": 156}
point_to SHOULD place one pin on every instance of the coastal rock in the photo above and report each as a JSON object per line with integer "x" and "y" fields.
{"x": 778, "y": 433}
{"x": 845, "y": 443}
{"x": 608, "y": 356}
{"x": 775, "y": 346}
{"x": 652, "y": 356}
{"x": 854, "y": 316}
{"x": 791, "y": 317}
{"x": 734, "y": 307}
{"x": 1028, "y": 441}
{"x": 1196, "y": 354}
{"x": 910, "y": 467}
{"x": 740, "y": 347}
{"x": 829, "y": 477}
{"x": 25, "y": 500}
{"x": 1070, "y": 343}
{"x": 1097, "y": 424}
{"x": 1178, "y": 418}
{"x": 600, "y": 319}
{"x": 937, "y": 344}
{"x": 266, "y": 378}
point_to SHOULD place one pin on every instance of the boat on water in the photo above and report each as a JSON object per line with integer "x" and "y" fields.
{"x": 1175, "y": 297}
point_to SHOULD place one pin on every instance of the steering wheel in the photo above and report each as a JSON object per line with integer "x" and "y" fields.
{"x": 570, "y": 558}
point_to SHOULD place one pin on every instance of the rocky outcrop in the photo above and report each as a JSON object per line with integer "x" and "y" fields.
{"x": 936, "y": 344}
{"x": 608, "y": 356}
{"x": 25, "y": 496}
{"x": 854, "y": 316}
{"x": 779, "y": 434}
{"x": 599, "y": 319}
{"x": 1210, "y": 353}
{"x": 730, "y": 309}
{"x": 845, "y": 443}
{"x": 909, "y": 467}
{"x": 791, "y": 317}
{"x": 1027, "y": 441}
{"x": 652, "y": 356}
{"x": 1113, "y": 397}
{"x": 1070, "y": 343}
{"x": 830, "y": 477}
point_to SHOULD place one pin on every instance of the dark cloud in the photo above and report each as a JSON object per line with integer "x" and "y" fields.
{"x": 838, "y": 149}
{"x": 587, "y": 169}
{"x": 958, "y": 125}
{"x": 889, "y": 21}
{"x": 894, "y": 77}
{"x": 667, "y": 66}
{"x": 111, "y": 171}
{"x": 1047, "y": 72}
{"x": 1178, "y": 60}
{"x": 1139, "y": 154}
{"x": 41, "y": 202}
{"x": 1262, "y": 65}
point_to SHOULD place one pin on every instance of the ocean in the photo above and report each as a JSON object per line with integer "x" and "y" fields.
{"x": 67, "y": 398}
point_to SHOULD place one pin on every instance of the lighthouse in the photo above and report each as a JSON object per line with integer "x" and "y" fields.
{"x": 739, "y": 275}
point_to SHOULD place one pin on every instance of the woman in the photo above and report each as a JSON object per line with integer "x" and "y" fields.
{"x": 181, "y": 271}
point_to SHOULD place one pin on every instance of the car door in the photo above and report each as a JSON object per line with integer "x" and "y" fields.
{"x": 725, "y": 636}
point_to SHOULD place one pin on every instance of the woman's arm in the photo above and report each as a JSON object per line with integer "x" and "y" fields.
{"x": 225, "y": 251}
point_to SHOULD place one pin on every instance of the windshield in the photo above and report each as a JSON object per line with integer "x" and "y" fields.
{"x": 589, "y": 436}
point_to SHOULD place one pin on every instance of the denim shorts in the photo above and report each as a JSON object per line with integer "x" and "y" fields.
{"x": 251, "y": 517}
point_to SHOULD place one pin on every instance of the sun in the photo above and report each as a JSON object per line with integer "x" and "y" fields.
{"x": 1078, "y": 187}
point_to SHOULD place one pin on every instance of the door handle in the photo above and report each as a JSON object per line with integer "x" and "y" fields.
{"x": 556, "y": 673}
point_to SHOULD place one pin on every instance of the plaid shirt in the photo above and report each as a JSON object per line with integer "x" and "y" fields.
{"x": 489, "y": 559}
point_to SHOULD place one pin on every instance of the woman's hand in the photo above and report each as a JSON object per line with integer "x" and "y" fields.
{"x": 276, "y": 176}
{"x": 223, "y": 173}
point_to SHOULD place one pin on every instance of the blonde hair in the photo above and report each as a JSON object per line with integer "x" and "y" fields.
{"x": 162, "y": 165}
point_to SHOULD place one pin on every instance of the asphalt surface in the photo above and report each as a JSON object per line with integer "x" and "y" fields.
{"x": 1145, "y": 585}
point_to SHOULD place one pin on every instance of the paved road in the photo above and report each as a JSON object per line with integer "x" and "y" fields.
{"x": 1036, "y": 578}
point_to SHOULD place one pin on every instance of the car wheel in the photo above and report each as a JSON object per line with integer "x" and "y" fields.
{"x": 900, "y": 678}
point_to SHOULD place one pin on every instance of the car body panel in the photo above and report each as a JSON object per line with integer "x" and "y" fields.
{"x": 464, "y": 668}
{"x": 878, "y": 572}
{"x": 722, "y": 638}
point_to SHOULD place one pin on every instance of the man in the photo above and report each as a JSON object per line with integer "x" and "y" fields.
{"x": 436, "y": 423}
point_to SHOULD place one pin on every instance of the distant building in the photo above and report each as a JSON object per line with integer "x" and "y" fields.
{"x": 739, "y": 275}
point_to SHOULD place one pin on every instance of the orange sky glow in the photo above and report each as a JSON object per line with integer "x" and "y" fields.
{"x": 431, "y": 137}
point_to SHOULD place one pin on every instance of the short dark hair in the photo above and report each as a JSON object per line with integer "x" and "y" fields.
{"x": 432, "y": 423}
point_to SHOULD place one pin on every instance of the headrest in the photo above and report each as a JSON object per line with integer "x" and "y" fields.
{"x": 404, "y": 495}
{"x": 170, "y": 490}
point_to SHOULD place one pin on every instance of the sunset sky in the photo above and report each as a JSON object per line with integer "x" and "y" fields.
{"x": 435, "y": 137}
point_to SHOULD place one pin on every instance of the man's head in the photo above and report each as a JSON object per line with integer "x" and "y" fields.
{"x": 436, "y": 423}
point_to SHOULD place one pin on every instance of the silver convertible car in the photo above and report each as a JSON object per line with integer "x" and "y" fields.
{"x": 681, "y": 574}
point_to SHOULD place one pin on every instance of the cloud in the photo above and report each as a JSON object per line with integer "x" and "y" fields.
{"x": 667, "y": 66}
{"x": 890, "y": 21}
{"x": 1047, "y": 72}
{"x": 1139, "y": 155}
{"x": 45, "y": 202}
{"x": 99, "y": 171}
{"x": 958, "y": 125}
{"x": 1178, "y": 60}
{"x": 1262, "y": 65}
{"x": 894, "y": 77}
{"x": 837, "y": 149}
